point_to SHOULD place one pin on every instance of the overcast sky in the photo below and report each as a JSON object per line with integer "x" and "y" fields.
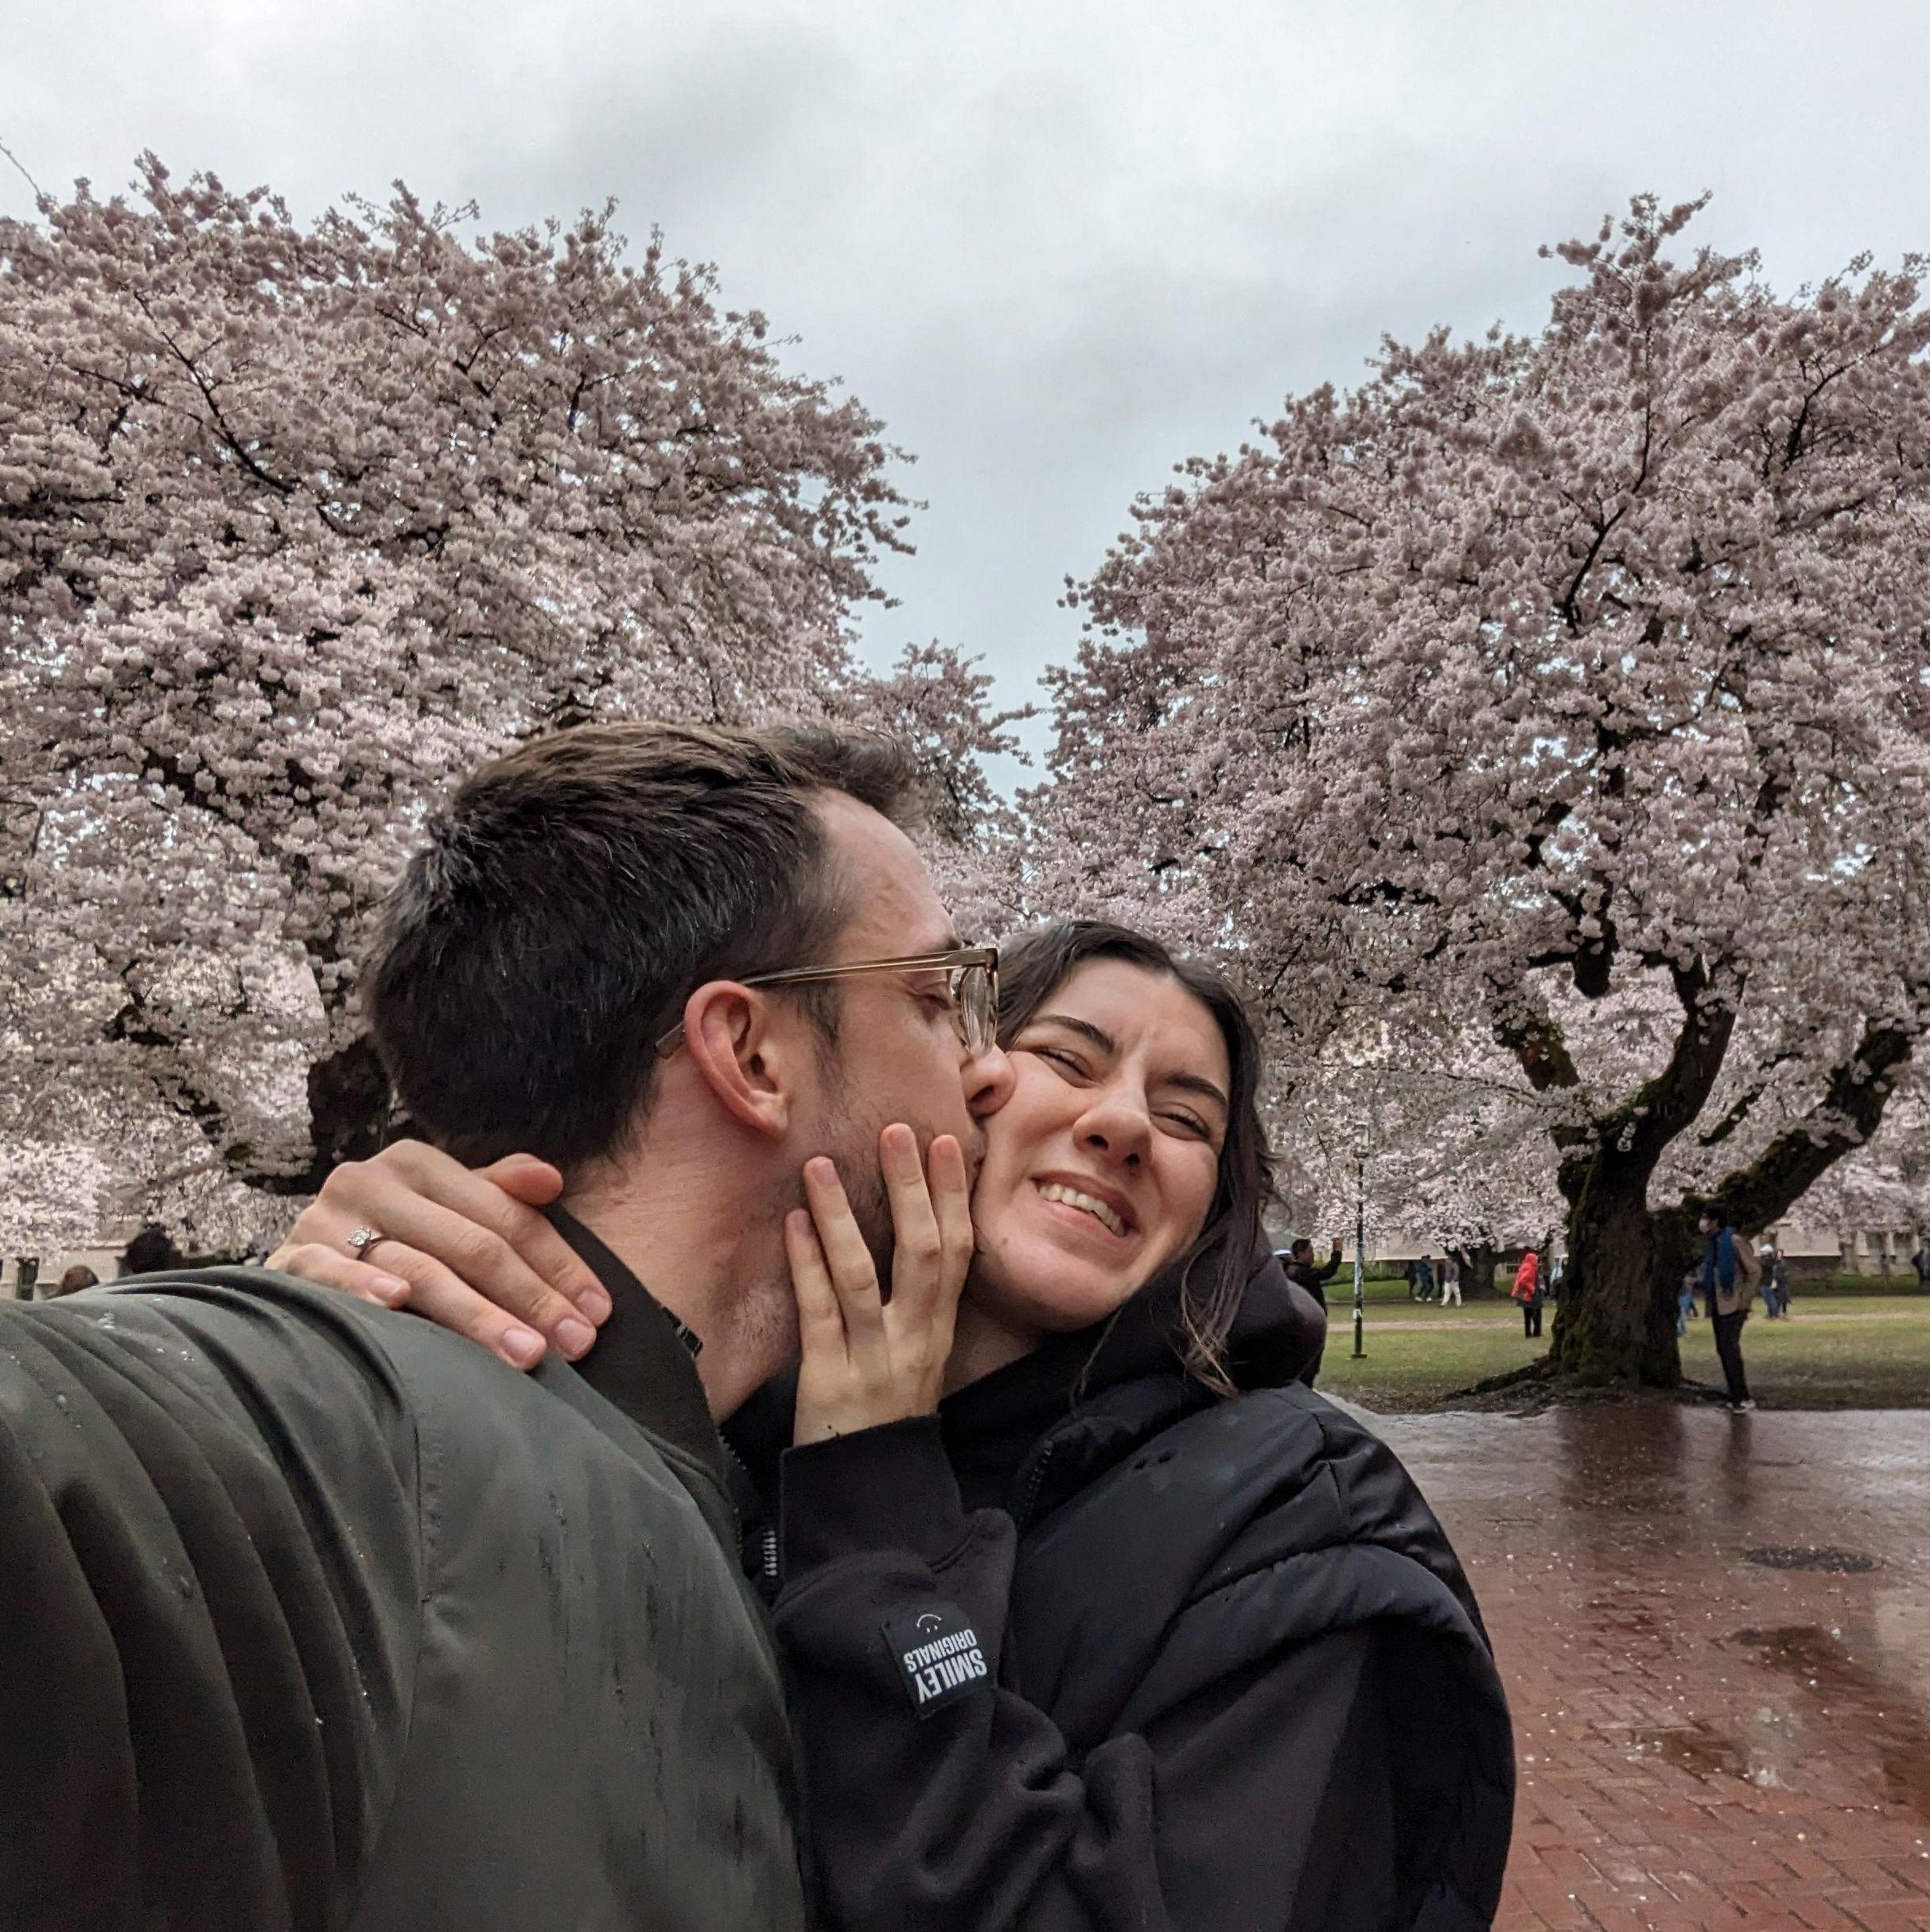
{"x": 1056, "y": 246}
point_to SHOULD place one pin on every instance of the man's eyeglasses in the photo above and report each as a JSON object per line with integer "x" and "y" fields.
{"x": 971, "y": 984}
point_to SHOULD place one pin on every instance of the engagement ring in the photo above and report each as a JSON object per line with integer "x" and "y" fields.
{"x": 363, "y": 1239}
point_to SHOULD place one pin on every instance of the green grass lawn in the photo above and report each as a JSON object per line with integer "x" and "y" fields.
{"x": 1838, "y": 1351}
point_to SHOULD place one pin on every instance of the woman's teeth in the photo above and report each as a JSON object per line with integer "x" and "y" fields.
{"x": 1071, "y": 1197}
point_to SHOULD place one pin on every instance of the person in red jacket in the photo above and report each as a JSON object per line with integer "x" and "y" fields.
{"x": 1528, "y": 1291}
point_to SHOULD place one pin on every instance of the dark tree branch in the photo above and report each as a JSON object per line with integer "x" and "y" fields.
{"x": 1535, "y": 1039}
{"x": 1668, "y": 1105}
{"x": 1848, "y": 1112}
{"x": 1740, "y": 1113}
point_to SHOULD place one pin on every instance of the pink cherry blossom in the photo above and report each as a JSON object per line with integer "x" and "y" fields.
{"x": 300, "y": 522}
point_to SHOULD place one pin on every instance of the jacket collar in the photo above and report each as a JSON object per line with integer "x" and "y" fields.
{"x": 1030, "y": 1434}
{"x": 644, "y": 1364}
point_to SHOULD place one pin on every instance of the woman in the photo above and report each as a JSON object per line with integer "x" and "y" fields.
{"x": 1133, "y": 1631}
{"x": 1527, "y": 1291}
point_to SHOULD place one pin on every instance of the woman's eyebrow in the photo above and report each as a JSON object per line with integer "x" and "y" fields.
{"x": 1190, "y": 1083}
{"x": 1084, "y": 1028}
{"x": 1197, "y": 1083}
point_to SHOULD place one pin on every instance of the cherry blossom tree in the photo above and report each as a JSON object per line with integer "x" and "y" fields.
{"x": 299, "y": 522}
{"x": 1448, "y": 1144}
{"x": 1577, "y": 683}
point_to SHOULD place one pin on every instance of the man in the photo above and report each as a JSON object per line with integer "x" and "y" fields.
{"x": 317, "y": 1616}
{"x": 1424, "y": 1277}
{"x": 1450, "y": 1282}
{"x": 1300, "y": 1267}
{"x": 1730, "y": 1274}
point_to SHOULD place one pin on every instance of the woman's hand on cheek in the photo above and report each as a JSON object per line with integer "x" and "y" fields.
{"x": 868, "y": 1361}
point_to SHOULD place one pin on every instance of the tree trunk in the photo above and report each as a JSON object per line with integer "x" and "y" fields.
{"x": 1477, "y": 1269}
{"x": 1616, "y": 1320}
{"x": 350, "y": 1106}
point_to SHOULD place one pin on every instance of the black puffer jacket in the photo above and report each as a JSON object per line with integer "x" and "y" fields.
{"x": 1141, "y": 1659}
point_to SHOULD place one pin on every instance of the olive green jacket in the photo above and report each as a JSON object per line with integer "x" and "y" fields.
{"x": 312, "y": 1615}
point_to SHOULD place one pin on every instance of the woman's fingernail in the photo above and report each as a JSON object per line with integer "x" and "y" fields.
{"x": 522, "y": 1346}
{"x": 594, "y": 1305}
{"x": 574, "y": 1338}
{"x": 391, "y": 1288}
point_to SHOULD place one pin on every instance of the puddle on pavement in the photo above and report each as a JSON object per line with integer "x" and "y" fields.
{"x": 1699, "y": 1749}
{"x": 1621, "y": 1617}
{"x": 1881, "y": 1711}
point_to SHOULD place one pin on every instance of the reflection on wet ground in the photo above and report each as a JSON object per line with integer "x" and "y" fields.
{"x": 1716, "y": 1633}
{"x": 1695, "y": 1747}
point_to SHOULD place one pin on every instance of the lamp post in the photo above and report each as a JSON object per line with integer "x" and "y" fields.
{"x": 1360, "y": 1250}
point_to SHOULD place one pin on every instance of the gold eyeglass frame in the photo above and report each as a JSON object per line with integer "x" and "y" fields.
{"x": 963, "y": 959}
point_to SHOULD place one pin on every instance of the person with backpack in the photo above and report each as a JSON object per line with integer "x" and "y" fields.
{"x": 1731, "y": 1275}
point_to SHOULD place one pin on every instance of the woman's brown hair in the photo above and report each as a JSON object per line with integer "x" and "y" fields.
{"x": 1214, "y": 1271}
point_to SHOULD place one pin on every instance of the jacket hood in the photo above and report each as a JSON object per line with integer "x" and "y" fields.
{"x": 1033, "y": 1432}
{"x": 1279, "y": 1328}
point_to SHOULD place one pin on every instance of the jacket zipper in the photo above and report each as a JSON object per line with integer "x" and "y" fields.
{"x": 767, "y": 1533}
{"x": 1034, "y": 1484}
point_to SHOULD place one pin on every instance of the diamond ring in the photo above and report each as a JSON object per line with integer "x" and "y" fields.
{"x": 361, "y": 1240}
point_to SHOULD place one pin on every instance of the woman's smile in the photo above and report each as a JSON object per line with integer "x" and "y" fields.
{"x": 1090, "y": 1205}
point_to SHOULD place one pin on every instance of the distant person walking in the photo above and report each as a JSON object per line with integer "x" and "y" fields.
{"x": 1730, "y": 1275}
{"x": 1767, "y": 1260}
{"x": 1450, "y": 1282}
{"x": 1527, "y": 1291}
{"x": 76, "y": 1278}
{"x": 1921, "y": 1261}
{"x": 1424, "y": 1277}
{"x": 1685, "y": 1300}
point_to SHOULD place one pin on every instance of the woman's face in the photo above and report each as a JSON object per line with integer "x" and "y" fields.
{"x": 1102, "y": 1166}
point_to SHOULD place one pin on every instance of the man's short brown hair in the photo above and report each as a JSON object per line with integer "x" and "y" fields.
{"x": 574, "y": 893}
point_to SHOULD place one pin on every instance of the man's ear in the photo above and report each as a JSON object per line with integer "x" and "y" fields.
{"x": 749, "y": 1050}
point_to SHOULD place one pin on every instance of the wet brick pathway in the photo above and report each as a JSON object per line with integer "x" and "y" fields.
{"x": 1704, "y": 1739}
